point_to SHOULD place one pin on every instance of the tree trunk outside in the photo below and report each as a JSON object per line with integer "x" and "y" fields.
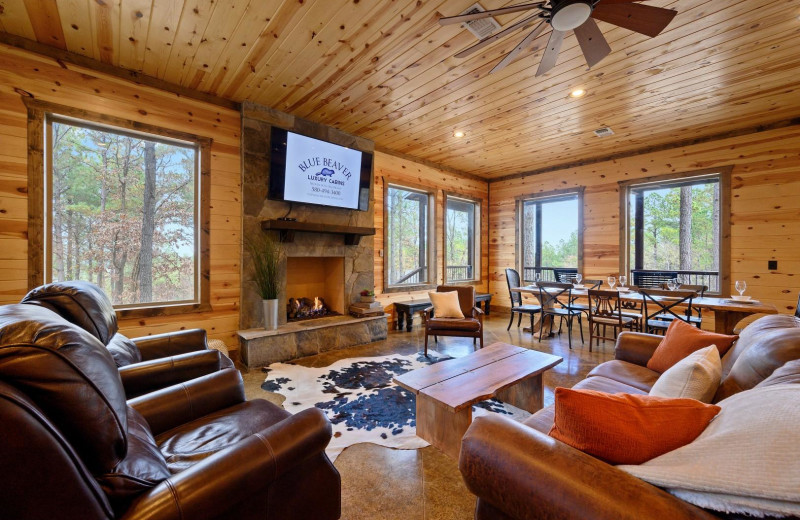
{"x": 715, "y": 228}
{"x": 148, "y": 224}
{"x": 686, "y": 229}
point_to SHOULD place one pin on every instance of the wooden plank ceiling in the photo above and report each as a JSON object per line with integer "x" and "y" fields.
{"x": 385, "y": 70}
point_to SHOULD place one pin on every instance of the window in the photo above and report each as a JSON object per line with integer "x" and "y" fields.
{"x": 550, "y": 236}
{"x": 674, "y": 230}
{"x": 461, "y": 245}
{"x": 408, "y": 222}
{"x": 119, "y": 203}
{"x": 123, "y": 213}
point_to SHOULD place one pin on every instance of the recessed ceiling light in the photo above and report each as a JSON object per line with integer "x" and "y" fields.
{"x": 578, "y": 92}
{"x": 458, "y": 133}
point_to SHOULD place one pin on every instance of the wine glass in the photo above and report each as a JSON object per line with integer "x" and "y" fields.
{"x": 537, "y": 277}
{"x": 612, "y": 282}
{"x": 671, "y": 285}
{"x": 741, "y": 285}
{"x": 578, "y": 277}
{"x": 622, "y": 281}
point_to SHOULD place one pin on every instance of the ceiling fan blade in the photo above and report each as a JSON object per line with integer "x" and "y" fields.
{"x": 493, "y": 38}
{"x": 609, "y": 2}
{"x": 551, "y": 53}
{"x": 449, "y": 20}
{"x": 524, "y": 43}
{"x": 592, "y": 42}
{"x": 644, "y": 19}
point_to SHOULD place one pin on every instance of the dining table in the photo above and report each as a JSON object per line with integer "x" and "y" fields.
{"x": 727, "y": 312}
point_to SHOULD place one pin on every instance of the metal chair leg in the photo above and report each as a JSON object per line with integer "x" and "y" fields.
{"x": 510, "y": 322}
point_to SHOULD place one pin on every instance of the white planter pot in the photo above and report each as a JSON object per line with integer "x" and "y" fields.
{"x": 270, "y": 314}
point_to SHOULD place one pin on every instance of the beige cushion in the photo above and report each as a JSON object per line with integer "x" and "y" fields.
{"x": 446, "y": 305}
{"x": 744, "y": 462}
{"x": 696, "y": 376}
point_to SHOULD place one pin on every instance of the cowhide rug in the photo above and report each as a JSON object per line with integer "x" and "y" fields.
{"x": 361, "y": 401}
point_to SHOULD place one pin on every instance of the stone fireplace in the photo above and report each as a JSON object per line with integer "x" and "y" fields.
{"x": 314, "y": 278}
{"x": 313, "y": 264}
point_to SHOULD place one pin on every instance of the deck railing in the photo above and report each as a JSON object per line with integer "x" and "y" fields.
{"x": 459, "y": 273}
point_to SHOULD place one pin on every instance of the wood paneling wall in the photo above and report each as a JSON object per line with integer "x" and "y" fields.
{"x": 401, "y": 171}
{"x": 765, "y": 209}
{"x": 23, "y": 73}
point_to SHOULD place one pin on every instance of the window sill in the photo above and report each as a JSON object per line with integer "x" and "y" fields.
{"x": 409, "y": 288}
{"x": 164, "y": 310}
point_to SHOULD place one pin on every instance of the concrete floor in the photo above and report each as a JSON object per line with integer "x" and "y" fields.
{"x": 381, "y": 483}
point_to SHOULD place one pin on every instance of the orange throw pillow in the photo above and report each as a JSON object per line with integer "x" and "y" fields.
{"x": 627, "y": 428}
{"x": 681, "y": 339}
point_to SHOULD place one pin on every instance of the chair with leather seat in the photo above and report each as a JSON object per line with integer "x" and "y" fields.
{"x": 470, "y": 326}
{"x": 518, "y": 307}
{"x": 74, "y": 448}
{"x": 145, "y": 364}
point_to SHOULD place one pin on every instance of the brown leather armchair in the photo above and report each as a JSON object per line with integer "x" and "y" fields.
{"x": 74, "y": 448}
{"x": 470, "y": 326}
{"x": 145, "y": 364}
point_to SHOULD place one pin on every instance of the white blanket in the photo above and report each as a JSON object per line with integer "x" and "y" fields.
{"x": 747, "y": 460}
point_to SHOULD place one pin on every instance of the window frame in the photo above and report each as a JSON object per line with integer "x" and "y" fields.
{"x": 724, "y": 176}
{"x": 430, "y": 239}
{"x": 553, "y": 195}
{"x": 476, "y": 239}
{"x": 43, "y": 113}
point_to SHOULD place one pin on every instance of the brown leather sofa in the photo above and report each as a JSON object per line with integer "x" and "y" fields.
{"x": 73, "y": 448}
{"x": 145, "y": 364}
{"x": 519, "y": 472}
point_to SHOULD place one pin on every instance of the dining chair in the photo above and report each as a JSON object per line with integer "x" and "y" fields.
{"x": 633, "y": 308}
{"x": 517, "y": 305}
{"x": 583, "y": 307}
{"x": 605, "y": 309}
{"x": 470, "y": 326}
{"x": 658, "y": 302}
{"x": 564, "y": 274}
{"x": 693, "y": 313}
{"x": 555, "y": 298}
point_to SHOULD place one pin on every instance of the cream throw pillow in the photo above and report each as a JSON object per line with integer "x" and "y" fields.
{"x": 697, "y": 376}
{"x": 445, "y": 304}
{"x": 744, "y": 462}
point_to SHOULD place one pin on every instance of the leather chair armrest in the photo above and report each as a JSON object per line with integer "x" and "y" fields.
{"x": 636, "y": 347}
{"x": 216, "y": 486}
{"x": 528, "y": 475}
{"x": 171, "y": 343}
{"x": 178, "y": 404}
{"x": 427, "y": 314}
{"x": 147, "y": 376}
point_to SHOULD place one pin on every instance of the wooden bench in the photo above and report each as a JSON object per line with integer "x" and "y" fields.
{"x": 447, "y": 390}
{"x": 407, "y": 309}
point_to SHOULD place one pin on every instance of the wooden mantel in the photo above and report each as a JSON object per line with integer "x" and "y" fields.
{"x": 287, "y": 228}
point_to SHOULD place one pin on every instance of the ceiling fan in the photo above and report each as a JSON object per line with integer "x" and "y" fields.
{"x": 569, "y": 15}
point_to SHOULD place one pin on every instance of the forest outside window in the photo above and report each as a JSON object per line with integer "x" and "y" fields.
{"x": 674, "y": 230}
{"x": 122, "y": 210}
{"x": 461, "y": 242}
{"x": 408, "y": 255}
{"x": 549, "y": 229}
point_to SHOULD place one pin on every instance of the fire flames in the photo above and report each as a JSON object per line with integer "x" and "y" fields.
{"x": 306, "y": 308}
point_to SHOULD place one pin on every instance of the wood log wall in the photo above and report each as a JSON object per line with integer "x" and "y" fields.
{"x": 390, "y": 169}
{"x": 23, "y": 73}
{"x": 765, "y": 209}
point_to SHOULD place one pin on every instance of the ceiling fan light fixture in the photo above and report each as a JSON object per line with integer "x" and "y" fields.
{"x": 570, "y": 14}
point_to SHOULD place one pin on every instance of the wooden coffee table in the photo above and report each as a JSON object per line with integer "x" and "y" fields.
{"x": 447, "y": 390}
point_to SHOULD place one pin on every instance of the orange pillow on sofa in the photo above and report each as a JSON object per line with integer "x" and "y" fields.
{"x": 627, "y": 428}
{"x": 681, "y": 339}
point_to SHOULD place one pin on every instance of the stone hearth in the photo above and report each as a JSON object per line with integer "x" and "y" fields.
{"x": 296, "y": 339}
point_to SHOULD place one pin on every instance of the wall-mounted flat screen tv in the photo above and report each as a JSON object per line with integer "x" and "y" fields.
{"x": 304, "y": 169}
